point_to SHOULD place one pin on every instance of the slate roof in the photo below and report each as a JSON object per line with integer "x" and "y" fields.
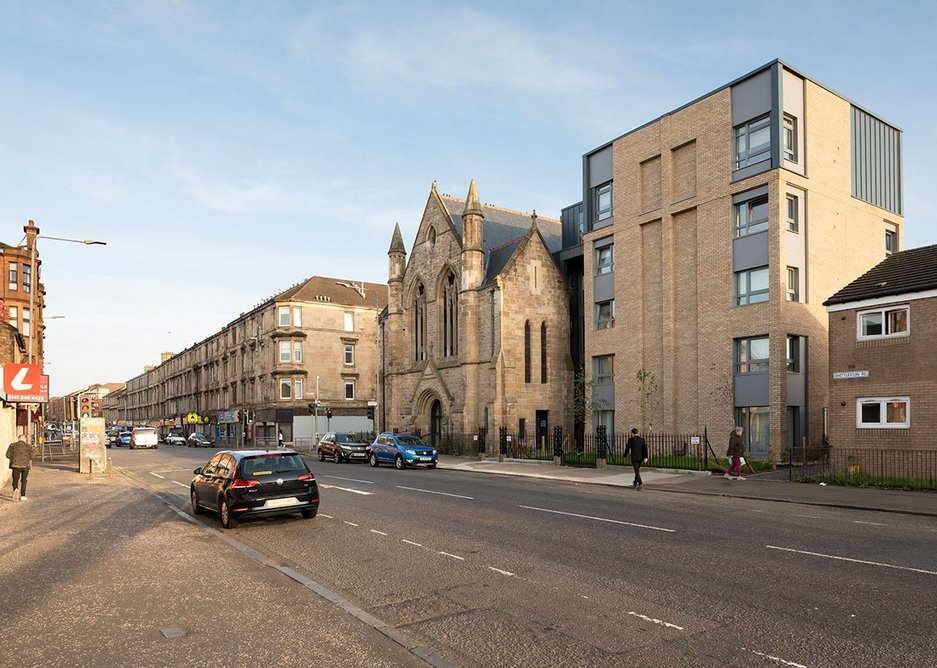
{"x": 504, "y": 231}
{"x": 375, "y": 294}
{"x": 913, "y": 270}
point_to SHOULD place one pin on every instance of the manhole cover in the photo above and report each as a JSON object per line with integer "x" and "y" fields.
{"x": 172, "y": 633}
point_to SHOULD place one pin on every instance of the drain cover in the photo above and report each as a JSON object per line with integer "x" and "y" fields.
{"x": 172, "y": 632}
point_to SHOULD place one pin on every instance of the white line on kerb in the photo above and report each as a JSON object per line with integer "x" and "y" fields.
{"x": 454, "y": 556}
{"x": 181, "y": 484}
{"x": 656, "y": 621}
{"x": 429, "y": 491}
{"x": 158, "y": 475}
{"x": 599, "y": 519}
{"x": 875, "y": 524}
{"x": 380, "y": 533}
{"x": 346, "y": 489}
{"x": 778, "y": 660}
{"x": 855, "y": 561}
{"x": 498, "y": 570}
{"x": 410, "y": 542}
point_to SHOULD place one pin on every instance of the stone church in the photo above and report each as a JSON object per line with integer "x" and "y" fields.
{"x": 476, "y": 331}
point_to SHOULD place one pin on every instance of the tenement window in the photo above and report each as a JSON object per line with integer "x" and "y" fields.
{"x": 298, "y": 388}
{"x": 297, "y": 316}
{"x": 751, "y": 216}
{"x": 284, "y": 316}
{"x": 349, "y": 355}
{"x": 349, "y": 319}
{"x": 286, "y": 389}
{"x": 751, "y": 355}
{"x": 883, "y": 413}
{"x": 27, "y": 278}
{"x": 349, "y": 390}
{"x": 14, "y": 283}
{"x": 751, "y": 286}
{"x": 753, "y": 142}
{"x": 884, "y": 323}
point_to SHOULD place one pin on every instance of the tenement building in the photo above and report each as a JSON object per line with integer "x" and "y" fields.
{"x": 476, "y": 331}
{"x": 22, "y": 297}
{"x": 711, "y": 237}
{"x": 301, "y": 363}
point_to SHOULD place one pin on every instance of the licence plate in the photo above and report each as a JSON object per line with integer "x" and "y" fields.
{"x": 280, "y": 503}
{"x": 426, "y": 459}
{"x": 358, "y": 454}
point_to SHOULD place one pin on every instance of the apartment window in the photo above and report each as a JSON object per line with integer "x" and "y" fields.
{"x": 349, "y": 390}
{"x": 284, "y": 313}
{"x": 298, "y": 388}
{"x": 297, "y": 316}
{"x": 297, "y": 351}
{"x": 883, "y": 413}
{"x": 756, "y": 421}
{"x": 284, "y": 351}
{"x": 604, "y": 259}
{"x": 27, "y": 322}
{"x": 793, "y": 354}
{"x": 286, "y": 388}
{"x": 751, "y": 355}
{"x": 751, "y": 217}
{"x": 14, "y": 313}
{"x": 793, "y": 284}
{"x": 349, "y": 355}
{"x": 751, "y": 286}
{"x": 14, "y": 281}
{"x": 543, "y": 352}
{"x": 605, "y": 314}
{"x": 605, "y": 419}
{"x": 790, "y": 138}
{"x": 603, "y": 369}
{"x": 793, "y": 213}
{"x": 884, "y": 323}
{"x": 27, "y": 278}
{"x": 891, "y": 245}
{"x": 349, "y": 319}
{"x": 753, "y": 142}
{"x": 527, "y": 351}
{"x": 603, "y": 201}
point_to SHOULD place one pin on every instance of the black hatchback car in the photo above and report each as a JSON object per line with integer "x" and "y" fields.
{"x": 249, "y": 483}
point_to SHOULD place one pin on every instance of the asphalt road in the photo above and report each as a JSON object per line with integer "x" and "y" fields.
{"x": 491, "y": 570}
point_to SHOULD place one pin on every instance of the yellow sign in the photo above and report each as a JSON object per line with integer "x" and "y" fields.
{"x": 192, "y": 418}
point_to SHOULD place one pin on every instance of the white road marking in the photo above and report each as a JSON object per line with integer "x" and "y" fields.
{"x": 350, "y": 523}
{"x": 429, "y": 491}
{"x": 181, "y": 484}
{"x": 498, "y": 570}
{"x": 778, "y": 660}
{"x": 599, "y": 519}
{"x": 158, "y": 475}
{"x": 855, "y": 561}
{"x": 410, "y": 542}
{"x": 875, "y": 524}
{"x": 337, "y": 477}
{"x": 379, "y": 533}
{"x": 326, "y": 516}
{"x": 454, "y": 556}
{"x": 813, "y": 517}
{"x": 346, "y": 489}
{"x": 656, "y": 621}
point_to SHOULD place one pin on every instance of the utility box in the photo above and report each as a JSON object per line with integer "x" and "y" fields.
{"x": 92, "y": 452}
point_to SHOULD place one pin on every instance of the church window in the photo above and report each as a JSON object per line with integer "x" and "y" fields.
{"x": 527, "y": 351}
{"x": 450, "y": 317}
{"x": 543, "y": 352}
{"x": 419, "y": 324}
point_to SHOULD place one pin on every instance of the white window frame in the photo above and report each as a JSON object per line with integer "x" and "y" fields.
{"x": 883, "y": 312}
{"x": 793, "y": 284}
{"x": 297, "y": 316}
{"x": 743, "y": 133}
{"x": 604, "y": 258}
{"x": 298, "y": 351}
{"x": 744, "y": 224}
{"x": 789, "y": 135}
{"x": 27, "y": 278}
{"x": 349, "y": 321}
{"x": 288, "y": 384}
{"x": 283, "y": 318}
{"x": 350, "y": 384}
{"x": 298, "y": 388}
{"x": 13, "y": 276}
{"x": 349, "y": 354}
{"x": 27, "y": 322}
{"x": 883, "y": 413}
{"x": 792, "y": 213}
{"x": 14, "y": 316}
{"x": 604, "y": 212}
{"x": 744, "y": 295}
{"x": 285, "y": 353}
{"x": 891, "y": 242}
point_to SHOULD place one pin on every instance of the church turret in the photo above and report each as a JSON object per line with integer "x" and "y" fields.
{"x": 396, "y": 266}
{"x": 473, "y": 233}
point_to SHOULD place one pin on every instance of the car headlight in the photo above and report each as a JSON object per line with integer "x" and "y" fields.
{"x": 434, "y": 452}
{"x": 345, "y": 448}
{"x": 409, "y": 451}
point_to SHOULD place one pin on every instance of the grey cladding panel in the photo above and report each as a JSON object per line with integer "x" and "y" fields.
{"x": 751, "y": 98}
{"x": 600, "y": 167}
{"x": 876, "y": 162}
{"x": 604, "y": 287}
{"x": 604, "y": 396}
{"x": 750, "y": 252}
{"x": 751, "y": 389}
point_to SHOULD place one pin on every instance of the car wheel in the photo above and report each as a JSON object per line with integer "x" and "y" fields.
{"x": 196, "y": 509}
{"x": 338, "y": 458}
{"x": 399, "y": 463}
{"x": 373, "y": 460}
{"x": 228, "y": 520}
{"x": 307, "y": 514}
{"x": 430, "y": 466}
{"x": 189, "y": 444}
{"x": 321, "y": 455}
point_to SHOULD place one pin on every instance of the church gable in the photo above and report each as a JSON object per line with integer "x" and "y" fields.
{"x": 436, "y": 248}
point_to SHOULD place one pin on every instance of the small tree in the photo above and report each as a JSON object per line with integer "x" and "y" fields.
{"x": 584, "y": 401}
{"x": 650, "y": 401}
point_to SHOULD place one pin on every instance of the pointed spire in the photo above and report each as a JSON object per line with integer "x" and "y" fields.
{"x": 533, "y": 219}
{"x": 472, "y": 205}
{"x": 396, "y": 243}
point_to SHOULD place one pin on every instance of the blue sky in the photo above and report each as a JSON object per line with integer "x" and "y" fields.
{"x": 226, "y": 150}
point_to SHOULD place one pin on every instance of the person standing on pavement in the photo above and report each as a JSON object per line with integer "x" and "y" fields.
{"x": 20, "y": 455}
{"x": 638, "y": 449}
{"x": 734, "y": 453}
{"x": 279, "y": 438}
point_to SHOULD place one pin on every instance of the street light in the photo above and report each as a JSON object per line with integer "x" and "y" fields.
{"x": 35, "y": 279}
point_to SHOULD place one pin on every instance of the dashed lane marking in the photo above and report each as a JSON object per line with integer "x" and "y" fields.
{"x": 337, "y": 477}
{"x": 599, "y": 519}
{"x": 855, "y": 561}
{"x": 410, "y": 542}
{"x": 181, "y": 484}
{"x": 430, "y": 491}
{"x": 656, "y": 621}
{"x": 346, "y": 489}
{"x": 351, "y": 524}
{"x": 875, "y": 524}
{"x": 162, "y": 477}
{"x": 498, "y": 570}
{"x": 379, "y": 533}
{"x": 454, "y": 556}
{"x": 777, "y": 659}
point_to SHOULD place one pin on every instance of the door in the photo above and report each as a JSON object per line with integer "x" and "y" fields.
{"x": 542, "y": 430}
{"x": 435, "y": 424}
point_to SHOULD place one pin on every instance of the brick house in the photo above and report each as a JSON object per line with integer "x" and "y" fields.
{"x": 476, "y": 331}
{"x": 883, "y": 355}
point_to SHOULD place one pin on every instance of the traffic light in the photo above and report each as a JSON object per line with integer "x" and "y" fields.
{"x": 250, "y": 417}
{"x": 328, "y": 413}
{"x": 371, "y": 413}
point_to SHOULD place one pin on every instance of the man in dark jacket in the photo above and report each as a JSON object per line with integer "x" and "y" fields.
{"x": 21, "y": 458}
{"x": 638, "y": 449}
{"x": 734, "y": 453}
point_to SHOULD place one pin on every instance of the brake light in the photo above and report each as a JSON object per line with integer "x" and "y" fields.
{"x": 306, "y": 477}
{"x": 240, "y": 482}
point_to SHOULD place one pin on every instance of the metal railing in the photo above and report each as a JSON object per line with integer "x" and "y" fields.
{"x": 866, "y": 467}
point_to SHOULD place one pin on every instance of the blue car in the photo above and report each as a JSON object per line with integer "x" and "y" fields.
{"x": 402, "y": 450}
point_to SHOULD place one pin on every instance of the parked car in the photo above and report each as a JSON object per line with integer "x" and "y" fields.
{"x": 247, "y": 483}
{"x": 199, "y": 440}
{"x": 123, "y": 438}
{"x": 174, "y": 438}
{"x": 402, "y": 450}
{"x": 113, "y": 437}
{"x": 343, "y": 448}
{"x": 144, "y": 437}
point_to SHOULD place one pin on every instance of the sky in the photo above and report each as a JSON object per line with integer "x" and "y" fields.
{"x": 228, "y": 150}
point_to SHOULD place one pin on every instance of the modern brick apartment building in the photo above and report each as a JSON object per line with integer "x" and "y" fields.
{"x": 476, "y": 332}
{"x": 710, "y": 238}
{"x": 883, "y": 356}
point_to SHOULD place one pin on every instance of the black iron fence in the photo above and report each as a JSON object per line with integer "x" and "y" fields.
{"x": 866, "y": 467}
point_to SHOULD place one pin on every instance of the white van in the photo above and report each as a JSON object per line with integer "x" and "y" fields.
{"x": 144, "y": 437}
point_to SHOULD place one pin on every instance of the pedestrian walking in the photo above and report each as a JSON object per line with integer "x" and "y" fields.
{"x": 279, "y": 438}
{"x": 734, "y": 453}
{"x": 638, "y": 449}
{"x": 20, "y": 455}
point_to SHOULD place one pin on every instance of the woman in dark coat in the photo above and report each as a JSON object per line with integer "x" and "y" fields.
{"x": 734, "y": 453}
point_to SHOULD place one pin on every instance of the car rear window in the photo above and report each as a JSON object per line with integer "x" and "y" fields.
{"x": 145, "y": 430}
{"x": 271, "y": 465}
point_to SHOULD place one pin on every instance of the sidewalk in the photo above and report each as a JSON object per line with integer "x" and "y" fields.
{"x": 755, "y": 487}
{"x": 97, "y": 571}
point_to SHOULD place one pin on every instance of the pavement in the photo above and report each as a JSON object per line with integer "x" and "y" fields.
{"x": 101, "y": 571}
